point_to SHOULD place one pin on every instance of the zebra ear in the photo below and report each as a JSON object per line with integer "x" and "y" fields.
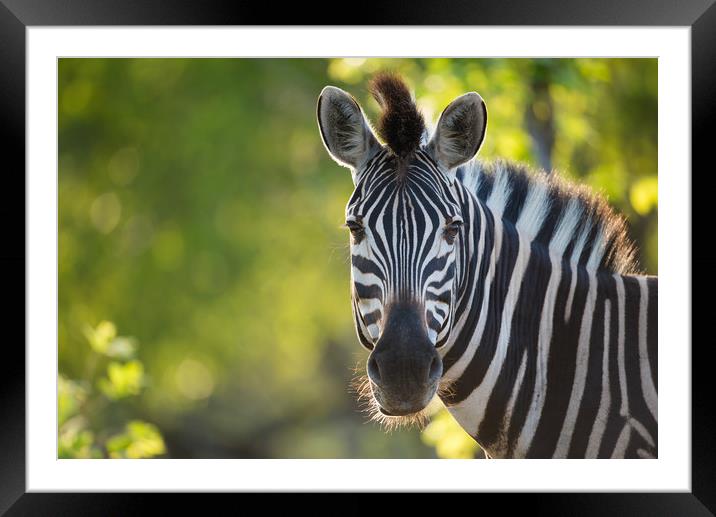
{"x": 344, "y": 129}
{"x": 460, "y": 131}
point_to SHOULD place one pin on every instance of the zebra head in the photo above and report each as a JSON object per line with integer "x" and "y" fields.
{"x": 406, "y": 222}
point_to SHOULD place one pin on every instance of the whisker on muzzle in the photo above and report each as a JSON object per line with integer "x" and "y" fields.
{"x": 360, "y": 385}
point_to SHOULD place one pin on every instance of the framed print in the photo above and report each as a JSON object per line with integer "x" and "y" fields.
{"x": 219, "y": 214}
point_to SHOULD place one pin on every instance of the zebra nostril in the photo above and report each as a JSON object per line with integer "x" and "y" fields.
{"x": 373, "y": 370}
{"x": 436, "y": 370}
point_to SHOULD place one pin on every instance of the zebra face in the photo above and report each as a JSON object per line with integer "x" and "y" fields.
{"x": 406, "y": 228}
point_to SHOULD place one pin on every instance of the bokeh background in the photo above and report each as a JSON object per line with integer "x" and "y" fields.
{"x": 203, "y": 275}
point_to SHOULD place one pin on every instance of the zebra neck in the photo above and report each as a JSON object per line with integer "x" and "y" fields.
{"x": 503, "y": 328}
{"x": 497, "y": 314}
{"x": 542, "y": 350}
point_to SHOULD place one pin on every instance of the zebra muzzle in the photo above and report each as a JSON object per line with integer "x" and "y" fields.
{"x": 404, "y": 368}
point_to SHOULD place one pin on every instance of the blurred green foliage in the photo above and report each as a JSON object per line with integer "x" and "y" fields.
{"x": 87, "y": 408}
{"x": 199, "y": 210}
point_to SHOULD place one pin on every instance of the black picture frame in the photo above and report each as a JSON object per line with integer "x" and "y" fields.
{"x": 17, "y": 15}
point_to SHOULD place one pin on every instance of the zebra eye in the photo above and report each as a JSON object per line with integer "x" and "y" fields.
{"x": 451, "y": 230}
{"x": 356, "y": 229}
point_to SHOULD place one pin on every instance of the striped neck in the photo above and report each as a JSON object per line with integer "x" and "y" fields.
{"x": 493, "y": 262}
{"x": 529, "y": 318}
{"x": 499, "y": 333}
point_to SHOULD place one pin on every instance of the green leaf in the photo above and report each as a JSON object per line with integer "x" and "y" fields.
{"x": 76, "y": 442}
{"x": 448, "y": 438}
{"x": 122, "y": 348}
{"x": 140, "y": 440}
{"x": 123, "y": 380}
{"x": 99, "y": 338}
{"x": 644, "y": 195}
{"x": 70, "y": 396}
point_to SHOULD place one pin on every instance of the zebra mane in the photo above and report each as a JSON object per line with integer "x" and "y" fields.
{"x": 570, "y": 220}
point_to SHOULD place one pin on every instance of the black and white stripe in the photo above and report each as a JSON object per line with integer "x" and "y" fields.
{"x": 549, "y": 348}
{"x": 404, "y": 256}
{"x": 519, "y": 288}
{"x": 557, "y": 357}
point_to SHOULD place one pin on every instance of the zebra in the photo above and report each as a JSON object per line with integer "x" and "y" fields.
{"x": 512, "y": 294}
